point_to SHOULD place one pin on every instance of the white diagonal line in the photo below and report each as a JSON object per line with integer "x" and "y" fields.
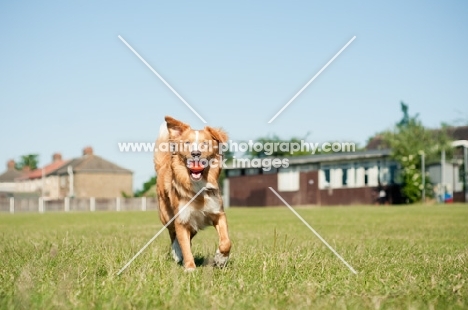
{"x": 159, "y": 232}
{"x": 313, "y": 230}
{"x": 162, "y": 79}
{"x": 312, "y": 79}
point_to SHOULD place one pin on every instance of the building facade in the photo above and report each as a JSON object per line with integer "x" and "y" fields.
{"x": 331, "y": 179}
{"x": 86, "y": 176}
{"x": 93, "y": 176}
{"x": 8, "y": 179}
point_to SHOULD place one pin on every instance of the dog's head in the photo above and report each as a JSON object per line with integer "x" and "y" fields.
{"x": 198, "y": 150}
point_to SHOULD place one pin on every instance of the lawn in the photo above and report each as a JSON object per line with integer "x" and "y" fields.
{"x": 406, "y": 257}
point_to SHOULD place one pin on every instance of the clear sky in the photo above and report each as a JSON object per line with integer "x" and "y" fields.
{"x": 67, "y": 81}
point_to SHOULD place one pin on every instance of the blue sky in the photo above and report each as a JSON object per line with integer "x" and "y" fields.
{"x": 67, "y": 81}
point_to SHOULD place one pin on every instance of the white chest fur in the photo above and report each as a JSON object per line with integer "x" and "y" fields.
{"x": 198, "y": 217}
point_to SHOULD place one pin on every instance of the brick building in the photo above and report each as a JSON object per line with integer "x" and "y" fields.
{"x": 329, "y": 179}
{"x": 344, "y": 178}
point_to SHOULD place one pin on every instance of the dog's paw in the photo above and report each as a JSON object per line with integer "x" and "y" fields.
{"x": 220, "y": 260}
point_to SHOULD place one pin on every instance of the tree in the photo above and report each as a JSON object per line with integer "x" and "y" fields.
{"x": 408, "y": 140}
{"x": 30, "y": 160}
{"x": 147, "y": 186}
{"x": 288, "y": 151}
{"x": 276, "y": 151}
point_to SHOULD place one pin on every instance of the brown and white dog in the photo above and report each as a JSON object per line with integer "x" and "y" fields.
{"x": 182, "y": 171}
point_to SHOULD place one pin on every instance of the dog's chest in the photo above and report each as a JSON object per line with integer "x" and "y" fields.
{"x": 199, "y": 216}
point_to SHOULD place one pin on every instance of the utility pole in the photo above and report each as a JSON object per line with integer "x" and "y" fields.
{"x": 465, "y": 166}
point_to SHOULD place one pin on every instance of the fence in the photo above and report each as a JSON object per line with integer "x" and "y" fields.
{"x": 14, "y": 205}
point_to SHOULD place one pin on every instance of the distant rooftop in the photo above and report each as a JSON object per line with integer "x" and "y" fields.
{"x": 11, "y": 173}
{"x": 88, "y": 162}
{"x": 331, "y": 157}
{"x": 91, "y": 163}
{"x": 456, "y": 133}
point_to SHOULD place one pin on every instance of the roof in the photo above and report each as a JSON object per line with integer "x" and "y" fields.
{"x": 456, "y": 133}
{"x": 47, "y": 170}
{"x": 321, "y": 158}
{"x": 91, "y": 164}
{"x": 324, "y": 158}
{"x": 10, "y": 175}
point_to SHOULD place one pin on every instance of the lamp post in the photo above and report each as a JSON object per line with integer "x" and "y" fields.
{"x": 442, "y": 176}
{"x": 423, "y": 176}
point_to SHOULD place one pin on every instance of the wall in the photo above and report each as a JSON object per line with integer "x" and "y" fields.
{"x": 19, "y": 205}
{"x": 50, "y": 185}
{"x": 102, "y": 185}
{"x": 348, "y": 196}
{"x": 252, "y": 190}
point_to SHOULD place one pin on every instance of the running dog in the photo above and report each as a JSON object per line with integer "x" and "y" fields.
{"x": 187, "y": 161}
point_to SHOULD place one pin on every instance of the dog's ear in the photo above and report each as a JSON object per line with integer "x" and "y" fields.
{"x": 175, "y": 127}
{"x": 217, "y": 134}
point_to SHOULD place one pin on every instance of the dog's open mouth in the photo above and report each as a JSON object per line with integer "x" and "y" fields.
{"x": 196, "y": 171}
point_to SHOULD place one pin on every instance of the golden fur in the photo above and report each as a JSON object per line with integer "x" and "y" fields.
{"x": 178, "y": 182}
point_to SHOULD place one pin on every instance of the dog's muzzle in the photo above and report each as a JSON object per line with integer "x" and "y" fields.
{"x": 196, "y": 168}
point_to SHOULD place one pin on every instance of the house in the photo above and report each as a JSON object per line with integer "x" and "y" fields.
{"x": 41, "y": 181}
{"x": 7, "y": 179}
{"x": 86, "y": 176}
{"x": 326, "y": 179}
{"x": 93, "y": 176}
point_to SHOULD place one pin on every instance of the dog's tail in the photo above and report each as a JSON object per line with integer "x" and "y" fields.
{"x": 161, "y": 156}
{"x": 163, "y": 132}
{"x": 163, "y": 136}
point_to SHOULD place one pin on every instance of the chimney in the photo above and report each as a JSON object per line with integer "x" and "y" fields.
{"x": 11, "y": 164}
{"x": 56, "y": 157}
{"x": 88, "y": 150}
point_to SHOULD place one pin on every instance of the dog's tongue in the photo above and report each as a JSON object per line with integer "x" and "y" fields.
{"x": 196, "y": 170}
{"x": 196, "y": 167}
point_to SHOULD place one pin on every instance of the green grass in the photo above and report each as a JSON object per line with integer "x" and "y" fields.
{"x": 407, "y": 257}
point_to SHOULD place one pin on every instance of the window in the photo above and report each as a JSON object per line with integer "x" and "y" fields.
{"x": 327, "y": 175}
{"x": 307, "y": 167}
{"x": 324, "y": 178}
{"x": 252, "y": 171}
{"x": 271, "y": 171}
{"x": 288, "y": 181}
{"x": 233, "y": 173}
{"x": 63, "y": 181}
{"x": 344, "y": 177}
{"x": 392, "y": 172}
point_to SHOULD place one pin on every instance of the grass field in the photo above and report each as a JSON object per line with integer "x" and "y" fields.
{"x": 407, "y": 257}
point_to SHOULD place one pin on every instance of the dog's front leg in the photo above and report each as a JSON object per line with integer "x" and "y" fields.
{"x": 222, "y": 254}
{"x": 183, "y": 236}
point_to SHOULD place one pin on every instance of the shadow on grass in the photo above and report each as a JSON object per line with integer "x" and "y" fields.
{"x": 200, "y": 261}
